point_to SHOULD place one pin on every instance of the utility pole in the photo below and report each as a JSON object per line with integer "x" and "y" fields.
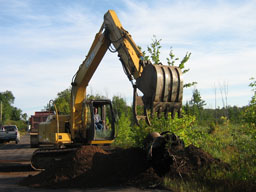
{"x": 1, "y": 112}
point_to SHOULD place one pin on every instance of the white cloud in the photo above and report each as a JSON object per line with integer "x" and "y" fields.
{"x": 40, "y": 53}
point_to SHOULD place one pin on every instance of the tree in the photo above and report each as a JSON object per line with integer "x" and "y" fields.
{"x": 249, "y": 113}
{"x": 196, "y": 103}
{"x": 62, "y": 102}
{"x": 196, "y": 100}
{"x": 11, "y": 115}
{"x": 154, "y": 52}
{"x": 124, "y": 132}
{"x": 253, "y": 86}
{"x": 7, "y": 99}
{"x": 120, "y": 106}
{"x": 234, "y": 114}
{"x": 16, "y": 114}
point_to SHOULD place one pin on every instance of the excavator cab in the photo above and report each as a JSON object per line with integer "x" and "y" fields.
{"x": 99, "y": 121}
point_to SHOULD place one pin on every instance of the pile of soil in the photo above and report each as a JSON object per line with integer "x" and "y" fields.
{"x": 190, "y": 161}
{"x": 91, "y": 166}
{"x": 170, "y": 157}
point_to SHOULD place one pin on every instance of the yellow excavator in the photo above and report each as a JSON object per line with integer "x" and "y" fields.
{"x": 161, "y": 86}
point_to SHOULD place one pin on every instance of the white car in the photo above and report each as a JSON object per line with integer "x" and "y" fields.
{"x": 9, "y": 133}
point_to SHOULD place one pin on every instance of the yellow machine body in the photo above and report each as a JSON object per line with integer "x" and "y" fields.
{"x": 53, "y": 131}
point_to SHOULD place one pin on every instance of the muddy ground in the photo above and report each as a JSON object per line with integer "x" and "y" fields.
{"x": 133, "y": 169}
{"x": 15, "y": 167}
{"x": 91, "y": 166}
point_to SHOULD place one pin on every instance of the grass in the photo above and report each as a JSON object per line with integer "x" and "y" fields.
{"x": 22, "y": 133}
{"x": 232, "y": 144}
{"x": 180, "y": 185}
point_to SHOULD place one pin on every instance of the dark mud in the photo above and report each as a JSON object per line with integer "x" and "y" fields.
{"x": 91, "y": 166}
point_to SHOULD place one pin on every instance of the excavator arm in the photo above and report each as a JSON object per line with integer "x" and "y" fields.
{"x": 161, "y": 85}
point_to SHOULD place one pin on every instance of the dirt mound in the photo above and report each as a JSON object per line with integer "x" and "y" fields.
{"x": 169, "y": 156}
{"x": 91, "y": 166}
{"x": 190, "y": 160}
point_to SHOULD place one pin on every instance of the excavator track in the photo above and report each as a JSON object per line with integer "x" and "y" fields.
{"x": 44, "y": 158}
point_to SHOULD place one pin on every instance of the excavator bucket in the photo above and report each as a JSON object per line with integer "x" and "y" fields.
{"x": 162, "y": 88}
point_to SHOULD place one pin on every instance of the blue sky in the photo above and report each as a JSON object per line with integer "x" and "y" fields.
{"x": 43, "y": 42}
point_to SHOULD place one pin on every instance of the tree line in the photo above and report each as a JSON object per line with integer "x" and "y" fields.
{"x": 9, "y": 113}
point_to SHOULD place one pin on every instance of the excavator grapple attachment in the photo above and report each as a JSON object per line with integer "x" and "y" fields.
{"x": 162, "y": 88}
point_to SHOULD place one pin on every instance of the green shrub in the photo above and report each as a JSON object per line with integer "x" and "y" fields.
{"x": 182, "y": 127}
{"x": 124, "y": 132}
{"x": 249, "y": 113}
